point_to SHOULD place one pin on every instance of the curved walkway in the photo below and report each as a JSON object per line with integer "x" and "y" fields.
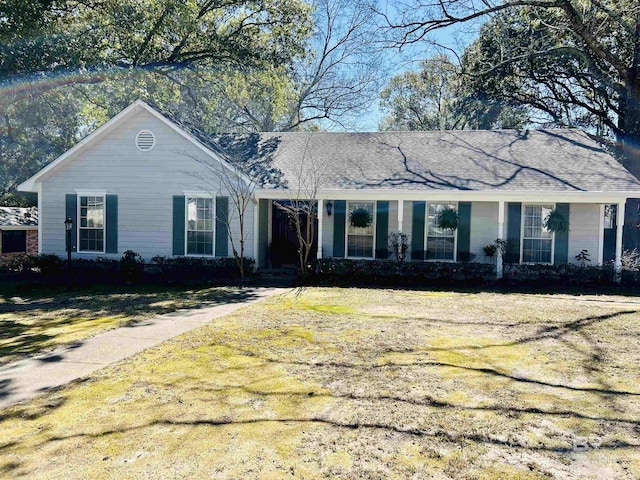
{"x": 24, "y": 379}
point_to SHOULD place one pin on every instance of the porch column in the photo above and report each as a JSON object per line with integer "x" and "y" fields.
{"x": 500, "y": 237}
{"x": 601, "y": 236}
{"x": 617, "y": 265}
{"x": 256, "y": 227}
{"x": 400, "y": 215}
{"x": 320, "y": 217}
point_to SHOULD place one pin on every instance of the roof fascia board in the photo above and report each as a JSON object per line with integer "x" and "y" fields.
{"x": 478, "y": 196}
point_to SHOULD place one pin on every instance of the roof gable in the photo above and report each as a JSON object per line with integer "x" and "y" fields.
{"x": 91, "y": 139}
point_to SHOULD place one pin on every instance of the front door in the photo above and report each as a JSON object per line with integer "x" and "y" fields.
{"x": 284, "y": 240}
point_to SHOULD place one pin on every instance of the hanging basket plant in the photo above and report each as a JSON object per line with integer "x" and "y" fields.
{"x": 360, "y": 218}
{"x": 556, "y": 222}
{"x": 448, "y": 219}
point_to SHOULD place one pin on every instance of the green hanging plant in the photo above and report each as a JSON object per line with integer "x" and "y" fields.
{"x": 448, "y": 219}
{"x": 360, "y": 217}
{"x": 556, "y": 222}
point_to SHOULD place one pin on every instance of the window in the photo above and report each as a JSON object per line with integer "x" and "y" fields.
{"x": 610, "y": 216}
{"x": 91, "y": 229}
{"x": 14, "y": 241}
{"x": 360, "y": 239}
{"x": 200, "y": 226}
{"x": 440, "y": 242}
{"x": 537, "y": 241}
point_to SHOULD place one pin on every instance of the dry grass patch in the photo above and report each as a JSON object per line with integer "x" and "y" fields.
{"x": 358, "y": 384}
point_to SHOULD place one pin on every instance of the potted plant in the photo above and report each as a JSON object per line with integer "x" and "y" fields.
{"x": 448, "y": 219}
{"x": 490, "y": 250}
{"x": 556, "y": 222}
{"x": 360, "y": 217}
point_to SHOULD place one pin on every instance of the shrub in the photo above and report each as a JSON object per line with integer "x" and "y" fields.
{"x": 539, "y": 275}
{"x": 192, "y": 269}
{"x": 339, "y": 271}
{"x": 131, "y": 267}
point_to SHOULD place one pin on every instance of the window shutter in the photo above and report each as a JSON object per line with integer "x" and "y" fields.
{"x": 72, "y": 212}
{"x": 222, "y": 220}
{"x": 339, "y": 224}
{"x": 417, "y": 231}
{"x": 382, "y": 230}
{"x": 464, "y": 232}
{"x": 514, "y": 220}
{"x": 111, "y": 223}
{"x": 179, "y": 224}
{"x": 561, "y": 247}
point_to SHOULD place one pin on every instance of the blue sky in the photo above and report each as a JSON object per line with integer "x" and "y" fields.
{"x": 409, "y": 57}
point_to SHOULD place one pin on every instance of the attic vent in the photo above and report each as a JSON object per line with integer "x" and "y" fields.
{"x": 145, "y": 140}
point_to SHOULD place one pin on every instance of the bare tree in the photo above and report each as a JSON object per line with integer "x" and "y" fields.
{"x": 302, "y": 205}
{"x": 228, "y": 179}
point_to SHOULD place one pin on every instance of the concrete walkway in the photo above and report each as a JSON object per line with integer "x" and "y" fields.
{"x": 24, "y": 379}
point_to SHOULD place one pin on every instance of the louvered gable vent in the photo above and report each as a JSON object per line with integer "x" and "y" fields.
{"x": 145, "y": 140}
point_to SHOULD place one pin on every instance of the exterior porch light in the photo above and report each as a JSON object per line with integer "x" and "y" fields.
{"x": 329, "y": 208}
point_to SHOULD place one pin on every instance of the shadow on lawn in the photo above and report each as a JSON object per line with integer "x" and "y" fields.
{"x": 569, "y": 333}
{"x": 33, "y": 321}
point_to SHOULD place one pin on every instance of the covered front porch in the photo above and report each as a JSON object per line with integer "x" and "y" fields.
{"x": 596, "y": 226}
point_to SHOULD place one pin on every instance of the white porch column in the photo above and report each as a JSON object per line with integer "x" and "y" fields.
{"x": 500, "y": 237}
{"x": 619, "y": 229}
{"x": 320, "y": 217}
{"x": 601, "y": 236}
{"x": 256, "y": 226}
{"x": 400, "y": 214}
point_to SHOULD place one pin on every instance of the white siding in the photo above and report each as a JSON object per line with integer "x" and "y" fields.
{"x": 145, "y": 183}
{"x": 484, "y": 225}
{"x": 584, "y": 223}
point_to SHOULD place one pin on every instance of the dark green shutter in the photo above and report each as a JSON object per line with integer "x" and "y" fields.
{"x": 179, "y": 224}
{"x": 561, "y": 247}
{"x": 514, "y": 220}
{"x": 71, "y": 204}
{"x": 417, "y": 231}
{"x": 263, "y": 233}
{"x": 222, "y": 225}
{"x": 630, "y": 230}
{"x": 464, "y": 232}
{"x": 339, "y": 224}
{"x": 382, "y": 230}
{"x": 111, "y": 224}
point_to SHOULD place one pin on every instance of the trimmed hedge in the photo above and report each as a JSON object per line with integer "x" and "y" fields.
{"x": 130, "y": 269}
{"x": 559, "y": 275}
{"x": 339, "y": 271}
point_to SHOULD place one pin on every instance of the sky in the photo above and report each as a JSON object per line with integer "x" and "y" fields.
{"x": 410, "y": 56}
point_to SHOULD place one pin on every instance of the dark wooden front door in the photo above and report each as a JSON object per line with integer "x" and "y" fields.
{"x": 284, "y": 240}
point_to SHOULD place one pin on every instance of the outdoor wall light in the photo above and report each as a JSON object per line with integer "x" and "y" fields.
{"x": 329, "y": 208}
{"x": 68, "y": 224}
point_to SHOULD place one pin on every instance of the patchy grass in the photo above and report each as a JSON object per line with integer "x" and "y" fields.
{"x": 37, "y": 320}
{"x": 357, "y": 384}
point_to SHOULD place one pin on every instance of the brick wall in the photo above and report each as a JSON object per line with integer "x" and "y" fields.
{"x": 32, "y": 242}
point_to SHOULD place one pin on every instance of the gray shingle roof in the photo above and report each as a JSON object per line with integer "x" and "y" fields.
{"x": 18, "y": 217}
{"x": 538, "y": 160}
{"x": 556, "y": 160}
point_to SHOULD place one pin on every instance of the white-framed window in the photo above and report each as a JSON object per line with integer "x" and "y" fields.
{"x": 91, "y": 223}
{"x": 200, "y": 226}
{"x": 440, "y": 243}
{"x": 537, "y": 241}
{"x": 361, "y": 240}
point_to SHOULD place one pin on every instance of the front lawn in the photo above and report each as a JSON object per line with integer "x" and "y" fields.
{"x": 39, "y": 319}
{"x": 356, "y": 383}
